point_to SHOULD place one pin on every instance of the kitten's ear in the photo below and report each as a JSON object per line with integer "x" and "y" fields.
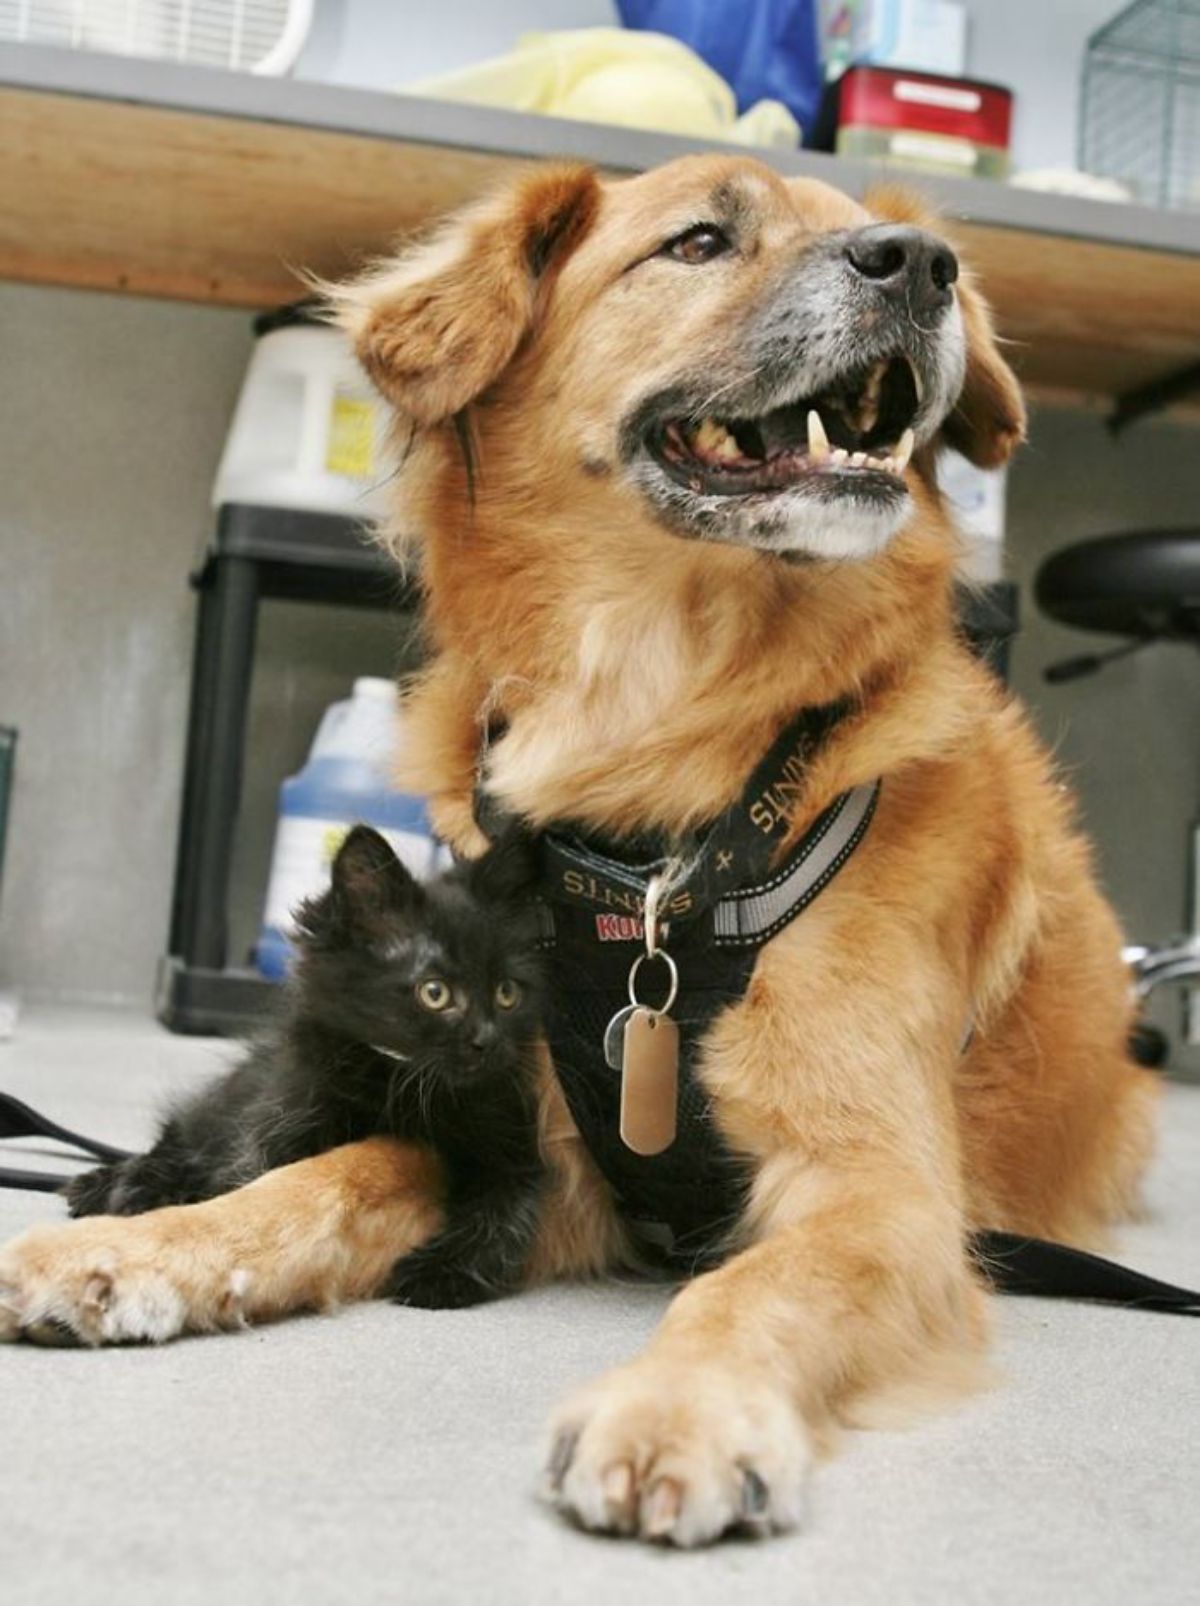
{"x": 369, "y": 887}
{"x": 508, "y": 870}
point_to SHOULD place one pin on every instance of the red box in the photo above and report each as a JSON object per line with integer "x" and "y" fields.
{"x": 957, "y": 124}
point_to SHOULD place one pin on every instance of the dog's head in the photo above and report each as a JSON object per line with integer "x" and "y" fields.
{"x": 752, "y": 360}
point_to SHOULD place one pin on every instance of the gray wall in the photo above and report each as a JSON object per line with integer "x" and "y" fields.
{"x": 111, "y": 420}
{"x": 112, "y": 416}
{"x": 1036, "y": 49}
{"x": 1127, "y": 738}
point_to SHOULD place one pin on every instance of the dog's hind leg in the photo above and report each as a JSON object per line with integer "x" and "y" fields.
{"x": 306, "y": 1236}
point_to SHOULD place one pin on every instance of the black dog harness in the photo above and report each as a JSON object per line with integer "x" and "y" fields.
{"x": 725, "y": 897}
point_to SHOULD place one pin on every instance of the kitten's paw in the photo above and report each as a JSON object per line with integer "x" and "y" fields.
{"x": 679, "y": 1454}
{"x": 89, "y": 1194}
{"x": 428, "y": 1285}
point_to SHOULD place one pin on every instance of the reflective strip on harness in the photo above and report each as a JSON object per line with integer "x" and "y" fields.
{"x": 756, "y": 913}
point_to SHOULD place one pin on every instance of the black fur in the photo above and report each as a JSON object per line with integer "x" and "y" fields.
{"x": 325, "y": 1076}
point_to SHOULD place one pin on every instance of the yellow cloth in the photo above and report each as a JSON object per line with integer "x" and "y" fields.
{"x": 611, "y": 75}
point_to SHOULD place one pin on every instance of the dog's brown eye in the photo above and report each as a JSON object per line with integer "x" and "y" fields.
{"x": 508, "y": 994}
{"x": 434, "y": 995}
{"x": 698, "y": 244}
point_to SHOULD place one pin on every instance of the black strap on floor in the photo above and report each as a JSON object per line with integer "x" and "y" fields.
{"x": 18, "y": 1120}
{"x": 1017, "y": 1265}
{"x": 33, "y": 1181}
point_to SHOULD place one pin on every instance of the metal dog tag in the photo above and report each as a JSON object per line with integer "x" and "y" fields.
{"x": 614, "y": 1037}
{"x": 649, "y": 1081}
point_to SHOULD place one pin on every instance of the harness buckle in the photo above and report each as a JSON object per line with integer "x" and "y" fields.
{"x": 650, "y": 914}
{"x": 654, "y": 892}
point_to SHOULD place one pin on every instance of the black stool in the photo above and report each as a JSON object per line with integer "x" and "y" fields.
{"x": 257, "y": 552}
{"x": 1145, "y": 587}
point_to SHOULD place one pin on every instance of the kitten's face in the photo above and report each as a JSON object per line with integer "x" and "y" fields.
{"x": 444, "y": 977}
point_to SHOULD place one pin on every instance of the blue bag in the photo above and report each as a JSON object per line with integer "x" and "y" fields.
{"x": 764, "y": 49}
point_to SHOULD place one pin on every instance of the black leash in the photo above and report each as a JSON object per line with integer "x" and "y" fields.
{"x": 1018, "y": 1265}
{"x": 18, "y": 1120}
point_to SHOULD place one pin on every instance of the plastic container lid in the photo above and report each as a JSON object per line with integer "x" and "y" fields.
{"x": 375, "y": 686}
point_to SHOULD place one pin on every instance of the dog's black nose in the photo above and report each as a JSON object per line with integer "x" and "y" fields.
{"x": 904, "y": 261}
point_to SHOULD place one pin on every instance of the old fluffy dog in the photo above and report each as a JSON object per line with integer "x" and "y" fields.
{"x": 670, "y": 447}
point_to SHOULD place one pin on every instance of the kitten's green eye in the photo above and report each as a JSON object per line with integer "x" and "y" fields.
{"x": 508, "y": 994}
{"x": 434, "y": 995}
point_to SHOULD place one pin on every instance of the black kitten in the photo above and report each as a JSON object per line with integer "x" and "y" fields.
{"x": 414, "y": 1013}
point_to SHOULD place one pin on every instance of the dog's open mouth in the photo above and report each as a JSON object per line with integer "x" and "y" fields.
{"x": 855, "y": 434}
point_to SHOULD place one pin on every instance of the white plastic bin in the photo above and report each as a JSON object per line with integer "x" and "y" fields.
{"x": 308, "y": 430}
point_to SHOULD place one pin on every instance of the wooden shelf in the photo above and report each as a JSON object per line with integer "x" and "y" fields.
{"x": 183, "y": 182}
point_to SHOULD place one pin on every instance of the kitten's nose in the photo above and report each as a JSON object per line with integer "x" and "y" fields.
{"x": 483, "y": 1036}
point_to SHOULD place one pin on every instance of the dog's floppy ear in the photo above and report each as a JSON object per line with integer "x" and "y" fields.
{"x": 436, "y": 326}
{"x": 987, "y": 423}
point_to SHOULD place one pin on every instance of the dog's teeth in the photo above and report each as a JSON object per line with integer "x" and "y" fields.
{"x": 868, "y": 406}
{"x": 917, "y": 384}
{"x": 715, "y": 440}
{"x": 904, "y": 450}
{"x": 838, "y": 456}
{"x": 858, "y": 460}
{"x": 818, "y": 441}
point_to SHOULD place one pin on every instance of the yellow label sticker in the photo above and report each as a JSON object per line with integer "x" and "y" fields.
{"x": 331, "y": 841}
{"x": 351, "y": 446}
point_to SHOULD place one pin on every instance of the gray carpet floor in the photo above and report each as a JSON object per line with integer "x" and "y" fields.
{"x": 390, "y": 1455}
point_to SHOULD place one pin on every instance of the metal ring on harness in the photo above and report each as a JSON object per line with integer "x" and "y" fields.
{"x": 659, "y": 953}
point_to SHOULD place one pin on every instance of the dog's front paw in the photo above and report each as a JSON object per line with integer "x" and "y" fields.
{"x": 105, "y": 1280}
{"x": 432, "y": 1284}
{"x": 678, "y": 1454}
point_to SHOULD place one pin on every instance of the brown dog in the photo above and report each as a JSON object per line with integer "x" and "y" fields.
{"x": 641, "y": 559}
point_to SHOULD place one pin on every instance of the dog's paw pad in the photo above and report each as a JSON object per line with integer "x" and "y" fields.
{"x": 678, "y": 1457}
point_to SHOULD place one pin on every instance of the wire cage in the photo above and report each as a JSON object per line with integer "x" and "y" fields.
{"x": 1140, "y": 107}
